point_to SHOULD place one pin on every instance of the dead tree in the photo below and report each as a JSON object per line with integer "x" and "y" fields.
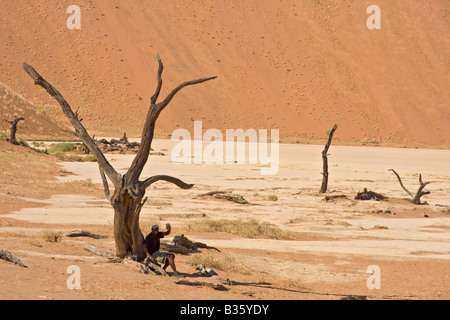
{"x": 416, "y": 198}
{"x": 124, "y": 139}
{"x": 127, "y": 199}
{"x": 324, "y": 186}
{"x": 13, "y": 129}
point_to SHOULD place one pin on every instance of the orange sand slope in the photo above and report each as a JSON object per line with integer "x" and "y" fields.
{"x": 299, "y": 66}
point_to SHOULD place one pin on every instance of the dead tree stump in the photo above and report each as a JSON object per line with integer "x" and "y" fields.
{"x": 324, "y": 185}
{"x": 13, "y": 130}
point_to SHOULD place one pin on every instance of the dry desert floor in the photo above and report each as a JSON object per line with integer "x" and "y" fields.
{"x": 323, "y": 249}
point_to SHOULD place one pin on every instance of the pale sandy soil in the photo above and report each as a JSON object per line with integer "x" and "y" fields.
{"x": 335, "y": 241}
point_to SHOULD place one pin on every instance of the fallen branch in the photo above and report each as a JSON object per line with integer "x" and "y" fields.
{"x": 7, "y": 256}
{"x": 174, "y": 248}
{"x": 228, "y": 196}
{"x": 400, "y": 181}
{"x": 84, "y": 233}
{"x": 155, "y": 267}
{"x": 99, "y": 252}
{"x": 354, "y": 297}
{"x": 211, "y": 193}
{"x": 182, "y": 241}
{"x": 215, "y": 286}
{"x": 142, "y": 267}
{"x": 328, "y": 198}
{"x": 205, "y": 246}
{"x": 225, "y": 195}
{"x": 111, "y": 260}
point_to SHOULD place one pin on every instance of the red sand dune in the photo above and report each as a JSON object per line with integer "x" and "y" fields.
{"x": 299, "y": 66}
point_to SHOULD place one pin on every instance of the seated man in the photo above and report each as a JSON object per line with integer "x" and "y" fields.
{"x": 151, "y": 248}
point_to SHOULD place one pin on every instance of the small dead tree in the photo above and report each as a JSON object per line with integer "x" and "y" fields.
{"x": 324, "y": 186}
{"x": 127, "y": 199}
{"x": 13, "y": 130}
{"x": 416, "y": 198}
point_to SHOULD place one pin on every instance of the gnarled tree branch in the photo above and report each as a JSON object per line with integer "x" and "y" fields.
{"x": 73, "y": 118}
{"x": 105, "y": 184}
{"x": 400, "y": 181}
{"x": 155, "y": 109}
{"x": 419, "y": 193}
{"x": 169, "y": 97}
{"x": 147, "y": 182}
{"x": 158, "y": 88}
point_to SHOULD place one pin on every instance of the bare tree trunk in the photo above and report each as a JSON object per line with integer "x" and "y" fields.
{"x": 324, "y": 185}
{"x": 13, "y": 130}
{"x": 129, "y": 191}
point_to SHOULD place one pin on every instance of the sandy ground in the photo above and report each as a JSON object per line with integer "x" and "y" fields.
{"x": 300, "y": 66}
{"x": 335, "y": 242}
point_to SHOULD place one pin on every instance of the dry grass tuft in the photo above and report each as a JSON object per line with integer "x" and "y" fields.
{"x": 250, "y": 228}
{"x": 51, "y": 235}
{"x": 218, "y": 261}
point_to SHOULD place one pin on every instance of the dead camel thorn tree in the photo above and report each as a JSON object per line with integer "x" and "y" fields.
{"x": 127, "y": 199}
{"x": 414, "y": 199}
{"x": 324, "y": 186}
{"x": 13, "y": 129}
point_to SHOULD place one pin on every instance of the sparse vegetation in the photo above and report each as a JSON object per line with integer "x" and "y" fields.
{"x": 61, "y": 150}
{"x": 51, "y": 235}
{"x": 36, "y": 241}
{"x": 250, "y": 228}
{"x": 217, "y": 261}
{"x": 56, "y": 148}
